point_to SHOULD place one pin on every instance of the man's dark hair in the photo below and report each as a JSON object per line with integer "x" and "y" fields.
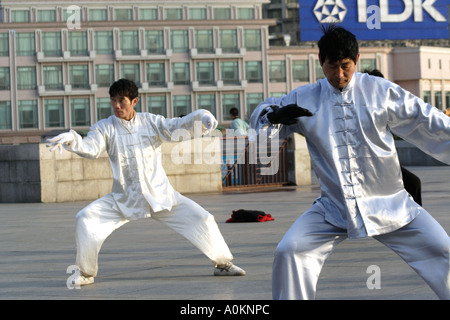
{"x": 124, "y": 88}
{"x": 337, "y": 43}
{"x": 234, "y": 112}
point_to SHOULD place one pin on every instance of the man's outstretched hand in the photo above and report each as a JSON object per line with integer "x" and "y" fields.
{"x": 288, "y": 115}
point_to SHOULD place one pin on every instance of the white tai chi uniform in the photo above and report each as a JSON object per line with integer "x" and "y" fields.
{"x": 362, "y": 194}
{"x": 140, "y": 188}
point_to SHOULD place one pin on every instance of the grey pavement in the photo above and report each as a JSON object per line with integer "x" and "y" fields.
{"x": 145, "y": 260}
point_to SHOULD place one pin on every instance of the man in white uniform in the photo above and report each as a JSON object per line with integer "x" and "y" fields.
{"x": 140, "y": 188}
{"x": 347, "y": 120}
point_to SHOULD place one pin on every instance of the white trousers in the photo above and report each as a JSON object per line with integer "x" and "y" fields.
{"x": 99, "y": 219}
{"x": 300, "y": 255}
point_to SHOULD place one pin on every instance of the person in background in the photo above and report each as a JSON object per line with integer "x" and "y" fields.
{"x": 239, "y": 126}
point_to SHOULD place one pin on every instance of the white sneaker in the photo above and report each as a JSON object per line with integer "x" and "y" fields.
{"x": 228, "y": 269}
{"x": 83, "y": 280}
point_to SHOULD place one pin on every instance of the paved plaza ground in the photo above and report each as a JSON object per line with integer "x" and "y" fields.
{"x": 145, "y": 260}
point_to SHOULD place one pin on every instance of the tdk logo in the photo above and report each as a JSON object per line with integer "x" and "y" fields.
{"x": 334, "y": 11}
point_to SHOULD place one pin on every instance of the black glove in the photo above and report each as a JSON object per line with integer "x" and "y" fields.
{"x": 287, "y": 115}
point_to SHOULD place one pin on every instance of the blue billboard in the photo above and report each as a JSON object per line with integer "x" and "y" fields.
{"x": 377, "y": 19}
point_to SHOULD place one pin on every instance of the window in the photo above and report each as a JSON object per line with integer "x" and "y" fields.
{"x": 230, "y": 100}
{"x": 155, "y": 41}
{"x": 173, "y": 14}
{"x": 26, "y": 78}
{"x": 157, "y": 105}
{"x": 148, "y": 14}
{"x": 179, "y": 40}
{"x": 78, "y": 43}
{"x": 300, "y": 70}
{"x": 80, "y": 112}
{"x": 4, "y": 78}
{"x": 277, "y": 71}
{"x": 438, "y": 99}
{"x": 252, "y": 39}
{"x": 367, "y": 64}
{"x": 427, "y": 96}
{"x": 222, "y": 14}
{"x": 205, "y": 73}
{"x": 129, "y": 42}
{"x": 197, "y": 13}
{"x": 46, "y": 15}
{"x": 5, "y": 115}
{"x": 207, "y": 102}
{"x": 230, "y": 72}
{"x": 246, "y": 13}
{"x": 253, "y": 100}
{"x": 228, "y": 41}
{"x": 156, "y": 74}
{"x": 180, "y": 73}
{"x": 204, "y": 41}
{"x": 51, "y": 44}
{"x": 131, "y": 72}
{"x": 25, "y": 44}
{"x": 28, "y": 114}
{"x": 4, "y": 45}
{"x": 20, "y": 16}
{"x": 98, "y": 14}
{"x": 253, "y": 71}
{"x": 447, "y": 99}
{"x": 104, "y": 109}
{"x": 181, "y": 105}
{"x": 79, "y": 76}
{"x": 123, "y": 14}
{"x": 103, "y": 42}
{"x": 318, "y": 70}
{"x": 104, "y": 74}
{"x": 53, "y": 77}
{"x": 54, "y": 113}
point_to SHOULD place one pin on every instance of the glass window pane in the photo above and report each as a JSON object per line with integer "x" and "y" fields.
{"x": 181, "y": 105}
{"x": 123, "y": 14}
{"x": 252, "y": 39}
{"x": 104, "y": 74}
{"x": 148, "y": 14}
{"x": 205, "y": 73}
{"x": 229, "y": 100}
{"x": 78, "y": 43}
{"x": 300, "y": 70}
{"x": 318, "y": 70}
{"x": 80, "y": 112}
{"x": 222, "y": 14}
{"x": 129, "y": 42}
{"x": 26, "y": 78}
{"x": 157, "y": 105}
{"x": 79, "y": 76}
{"x": 173, "y": 13}
{"x": 5, "y": 115}
{"x": 20, "y": 16}
{"x": 230, "y": 72}
{"x": 180, "y": 73}
{"x": 277, "y": 71}
{"x": 104, "y": 109}
{"x": 28, "y": 114}
{"x": 156, "y": 74}
{"x": 46, "y": 15}
{"x": 103, "y": 42}
{"x": 53, "y": 77}
{"x": 4, "y": 45}
{"x": 246, "y": 13}
{"x": 51, "y": 44}
{"x": 253, "y": 100}
{"x": 438, "y": 99}
{"x": 367, "y": 64}
{"x": 253, "y": 71}
{"x": 25, "y": 44}
{"x": 155, "y": 41}
{"x": 54, "y": 113}
{"x": 131, "y": 72}
{"x": 4, "y": 78}
{"x": 228, "y": 41}
{"x": 204, "y": 41}
{"x": 179, "y": 40}
{"x": 197, "y": 13}
{"x": 207, "y": 102}
{"x": 98, "y": 15}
